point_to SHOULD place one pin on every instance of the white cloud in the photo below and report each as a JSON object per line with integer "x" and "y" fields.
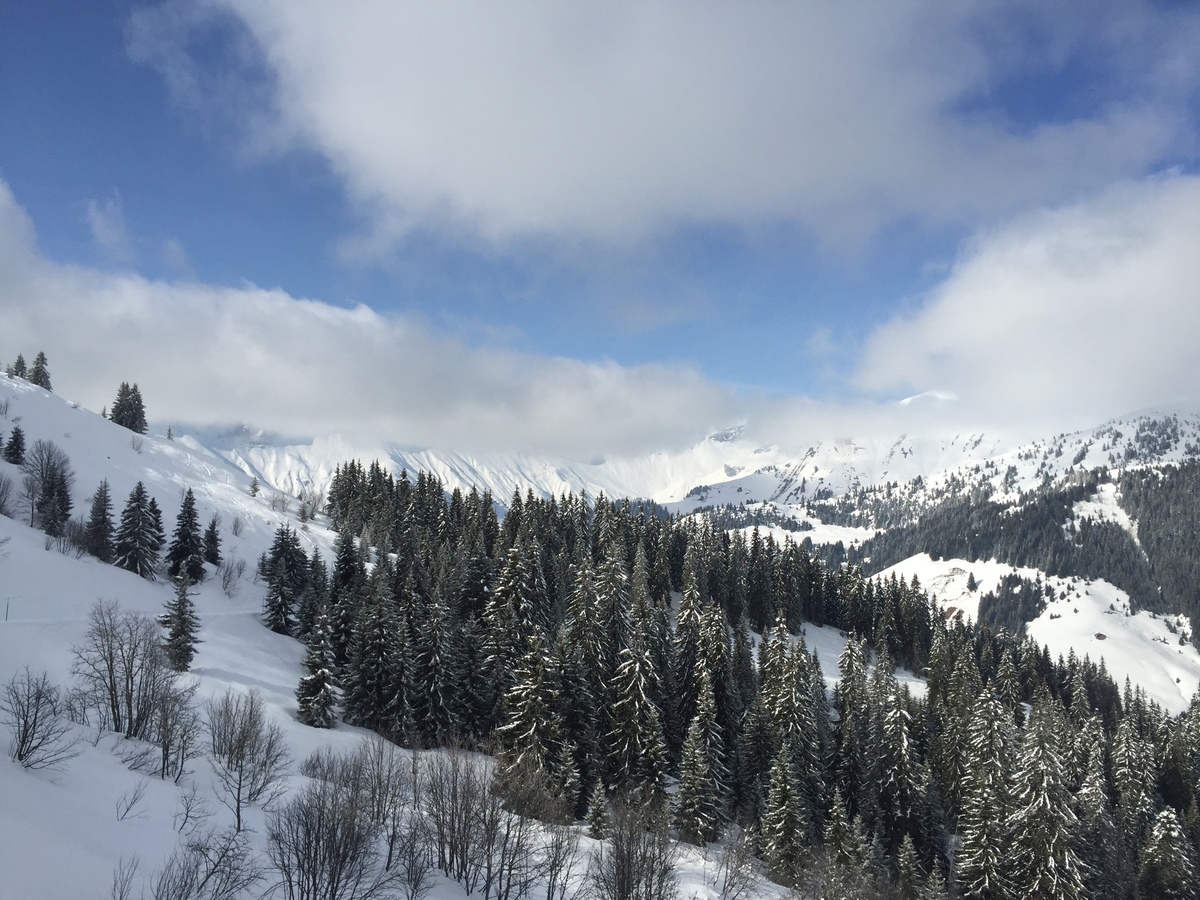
{"x": 622, "y": 120}
{"x": 107, "y": 223}
{"x": 215, "y": 355}
{"x": 1063, "y": 317}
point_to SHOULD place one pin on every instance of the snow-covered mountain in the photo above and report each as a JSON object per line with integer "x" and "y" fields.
{"x": 96, "y": 811}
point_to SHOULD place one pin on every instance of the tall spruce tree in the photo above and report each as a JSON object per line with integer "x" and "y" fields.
{"x": 182, "y": 625}
{"x": 39, "y": 373}
{"x": 14, "y": 450}
{"x": 212, "y": 541}
{"x": 1045, "y": 863}
{"x": 315, "y": 697}
{"x": 99, "y": 530}
{"x": 1167, "y": 870}
{"x": 984, "y": 840}
{"x": 128, "y": 410}
{"x": 186, "y": 550}
{"x": 139, "y": 535}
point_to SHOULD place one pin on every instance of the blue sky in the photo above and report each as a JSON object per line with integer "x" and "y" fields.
{"x": 749, "y": 212}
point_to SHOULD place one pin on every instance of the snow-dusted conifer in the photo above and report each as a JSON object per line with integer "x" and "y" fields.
{"x": 182, "y": 625}
{"x": 1167, "y": 870}
{"x": 314, "y": 694}
{"x": 186, "y": 550}
{"x": 99, "y": 530}
{"x": 138, "y": 536}
{"x": 1046, "y": 866}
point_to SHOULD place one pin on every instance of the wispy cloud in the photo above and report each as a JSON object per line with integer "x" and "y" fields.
{"x": 106, "y": 220}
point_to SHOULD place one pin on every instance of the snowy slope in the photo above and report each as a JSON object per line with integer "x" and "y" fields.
{"x": 63, "y": 832}
{"x": 1090, "y": 617}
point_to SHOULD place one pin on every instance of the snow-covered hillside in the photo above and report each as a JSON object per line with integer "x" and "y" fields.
{"x": 65, "y": 831}
{"x": 1092, "y": 618}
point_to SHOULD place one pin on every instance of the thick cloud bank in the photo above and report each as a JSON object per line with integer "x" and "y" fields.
{"x": 1063, "y": 317}
{"x": 211, "y": 355}
{"x": 618, "y": 121}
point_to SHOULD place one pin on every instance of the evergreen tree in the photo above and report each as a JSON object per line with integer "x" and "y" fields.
{"x": 370, "y": 680}
{"x": 1167, "y": 870}
{"x": 99, "y": 530}
{"x": 436, "y": 667}
{"x": 17, "y": 369}
{"x": 138, "y": 536}
{"x": 128, "y": 410}
{"x": 186, "y": 550}
{"x": 14, "y": 450}
{"x": 636, "y": 751}
{"x": 182, "y": 625}
{"x": 983, "y": 824}
{"x": 848, "y": 865}
{"x": 39, "y": 374}
{"x": 785, "y": 825}
{"x": 532, "y": 735}
{"x": 212, "y": 542}
{"x": 48, "y": 482}
{"x": 1046, "y": 866}
{"x": 314, "y": 694}
{"x": 702, "y": 774}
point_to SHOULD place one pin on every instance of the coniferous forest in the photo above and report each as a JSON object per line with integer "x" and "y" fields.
{"x": 613, "y": 655}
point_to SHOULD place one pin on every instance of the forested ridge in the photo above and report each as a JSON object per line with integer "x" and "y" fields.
{"x": 609, "y": 652}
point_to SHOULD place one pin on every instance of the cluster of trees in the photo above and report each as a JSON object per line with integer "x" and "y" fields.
{"x": 128, "y": 410}
{"x": 38, "y": 374}
{"x": 549, "y": 638}
{"x": 1041, "y": 532}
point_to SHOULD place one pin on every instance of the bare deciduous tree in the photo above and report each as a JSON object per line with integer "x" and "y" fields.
{"x": 122, "y": 671}
{"x": 40, "y": 737}
{"x": 213, "y": 865}
{"x": 249, "y": 754}
{"x": 323, "y": 847}
{"x": 637, "y": 861}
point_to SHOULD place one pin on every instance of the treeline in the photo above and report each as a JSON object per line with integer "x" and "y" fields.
{"x": 1165, "y": 505}
{"x": 1041, "y": 531}
{"x": 612, "y": 652}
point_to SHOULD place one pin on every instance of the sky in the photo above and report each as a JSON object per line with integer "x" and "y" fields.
{"x": 605, "y": 227}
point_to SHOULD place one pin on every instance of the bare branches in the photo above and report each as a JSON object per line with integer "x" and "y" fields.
{"x": 40, "y": 737}
{"x": 214, "y": 865}
{"x": 249, "y": 754}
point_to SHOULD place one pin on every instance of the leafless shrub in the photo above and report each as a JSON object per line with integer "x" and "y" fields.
{"x": 236, "y": 526}
{"x": 453, "y": 795}
{"x": 129, "y": 801}
{"x": 249, "y": 754}
{"x": 192, "y": 810}
{"x": 384, "y": 780}
{"x": 231, "y": 571}
{"x": 136, "y": 443}
{"x": 729, "y": 868}
{"x": 122, "y": 879}
{"x": 637, "y": 861}
{"x": 6, "y": 494}
{"x": 280, "y": 502}
{"x": 213, "y": 865}
{"x": 4, "y": 407}
{"x": 40, "y": 737}
{"x": 323, "y": 847}
{"x": 177, "y": 730}
{"x": 561, "y": 859}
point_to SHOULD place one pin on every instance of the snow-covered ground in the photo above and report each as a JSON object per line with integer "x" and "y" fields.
{"x": 1090, "y": 617}
{"x": 64, "y": 831}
